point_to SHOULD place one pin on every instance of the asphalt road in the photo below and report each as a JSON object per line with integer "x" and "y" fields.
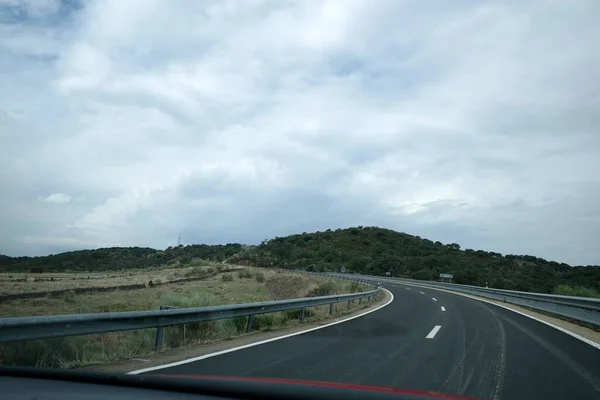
{"x": 452, "y": 344}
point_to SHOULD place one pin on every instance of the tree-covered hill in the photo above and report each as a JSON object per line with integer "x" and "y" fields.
{"x": 374, "y": 251}
{"x": 116, "y": 258}
{"x": 368, "y": 250}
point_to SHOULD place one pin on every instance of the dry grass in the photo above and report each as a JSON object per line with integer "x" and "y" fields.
{"x": 236, "y": 291}
{"x": 27, "y": 282}
{"x": 101, "y": 348}
{"x": 274, "y": 286}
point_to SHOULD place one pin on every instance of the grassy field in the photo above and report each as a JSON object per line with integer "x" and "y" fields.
{"x": 241, "y": 286}
{"x": 12, "y": 283}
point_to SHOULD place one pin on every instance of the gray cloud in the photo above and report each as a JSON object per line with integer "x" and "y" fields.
{"x": 238, "y": 121}
{"x": 57, "y": 198}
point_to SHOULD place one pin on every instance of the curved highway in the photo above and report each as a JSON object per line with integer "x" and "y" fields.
{"x": 429, "y": 340}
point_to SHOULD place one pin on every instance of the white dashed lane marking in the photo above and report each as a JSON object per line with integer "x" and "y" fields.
{"x": 433, "y": 332}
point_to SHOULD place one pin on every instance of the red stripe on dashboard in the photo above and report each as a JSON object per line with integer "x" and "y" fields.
{"x": 335, "y": 385}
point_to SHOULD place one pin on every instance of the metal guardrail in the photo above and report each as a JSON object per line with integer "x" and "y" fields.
{"x": 582, "y": 309}
{"x": 44, "y": 327}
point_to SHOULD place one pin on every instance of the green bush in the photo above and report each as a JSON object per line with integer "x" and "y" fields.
{"x": 227, "y": 278}
{"x": 210, "y": 271}
{"x": 233, "y": 326}
{"x": 264, "y": 322}
{"x": 579, "y": 291}
{"x": 177, "y": 335}
{"x": 196, "y": 271}
{"x": 245, "y": 273}
{"x": 260, "y": 277}
{"x": 324, "y": 289}
{"x": 423, "y": 275}
{"x": 354, "y": 287}
{"x": 69, "y": 296}
{"x": 197, "y": 299}
{"x": 295, "y": 314}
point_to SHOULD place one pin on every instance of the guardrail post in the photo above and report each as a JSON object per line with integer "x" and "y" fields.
{"x": 301, "y": 314}
{"x": 331, "y": 308}
{"x": 159, "y": 331}
{"x": 159, "y": 338}
{"x": 369, "y": 299}
{"x": 249, "y": 325}
{"x": 349, "y": 301}
{"x": 360, "y": 301}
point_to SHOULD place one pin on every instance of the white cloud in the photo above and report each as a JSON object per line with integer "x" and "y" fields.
{"x": 57, "y": 198}
{"x": 239, "y": 120}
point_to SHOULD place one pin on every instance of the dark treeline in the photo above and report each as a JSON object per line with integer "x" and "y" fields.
{"x": 117, "y": 258}
{"x": 368, "y": 250}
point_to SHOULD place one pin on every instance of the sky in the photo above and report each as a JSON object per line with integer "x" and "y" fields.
{"x": 135, "y": 122}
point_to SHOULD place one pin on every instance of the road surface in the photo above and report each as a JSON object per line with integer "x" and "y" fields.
{"x": 428, "y": 340}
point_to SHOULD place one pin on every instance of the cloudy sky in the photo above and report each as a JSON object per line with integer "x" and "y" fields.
{"x": 133, "y": 122}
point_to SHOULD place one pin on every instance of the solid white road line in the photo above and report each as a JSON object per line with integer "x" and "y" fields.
{"x": 433, "y": 332}
{"x": 218, "y": 353}
{"x": 443, "y": 308}
{"x": 422, "y": 292}
{"x": 407, "y": 288}
{"x": 434, "y": 299}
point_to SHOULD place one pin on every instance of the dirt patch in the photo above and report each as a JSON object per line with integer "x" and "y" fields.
{"x": 187, "y": 352}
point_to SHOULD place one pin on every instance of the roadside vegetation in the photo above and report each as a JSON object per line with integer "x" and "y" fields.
{"x": 245, "y": 285}
{"x": 579, "y": 291}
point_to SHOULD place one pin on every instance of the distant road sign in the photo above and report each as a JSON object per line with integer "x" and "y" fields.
{"x": 449, "y": 276}
{"x": 343, "y": 269}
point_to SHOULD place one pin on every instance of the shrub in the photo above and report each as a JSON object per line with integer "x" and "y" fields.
{"x": 179, "y": 334}
{"x": 245, "y": 273}
{"x": 354, "y": 287}
{"x": 196, "y": 271}
{"x": 324, "y": 289}
{"x": 423, "y": 275}
{"x": 233, "y": 326}
{"x": 210, "y": 271}
{"x": 579, "y": 291}
{"x": 227, "y": 278}
{"x": 264, "y": 322}
{"x": 69, "y": 296}
{"x": 287, "y": 286}
{"x": 181, "y": 300}
{"x": 260, "y": 277}
{"x": 295, "y": 314}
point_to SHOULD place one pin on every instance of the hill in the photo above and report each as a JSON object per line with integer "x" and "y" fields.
{"x": 374, "y": 251}
{"x": 117, "y": 258}
{"x": 368, "y": 250}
